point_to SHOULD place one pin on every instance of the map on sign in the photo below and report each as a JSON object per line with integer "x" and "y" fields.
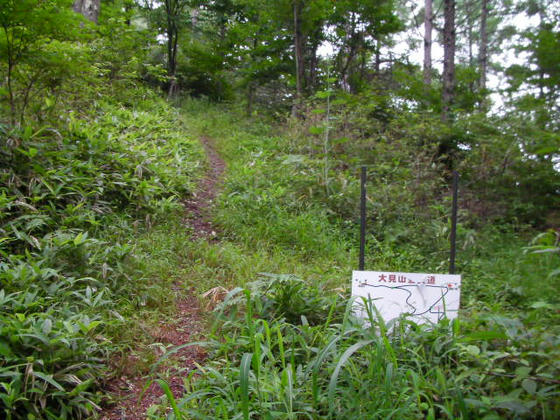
{"x": 425, "y": 297}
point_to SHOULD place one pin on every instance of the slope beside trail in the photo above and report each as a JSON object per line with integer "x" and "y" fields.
{"x": 131, "y": 399}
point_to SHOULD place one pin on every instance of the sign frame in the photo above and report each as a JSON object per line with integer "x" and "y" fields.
{"x": 424, "y": 297}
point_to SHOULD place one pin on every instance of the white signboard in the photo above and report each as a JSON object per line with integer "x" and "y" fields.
{"x": 425, "y": 297}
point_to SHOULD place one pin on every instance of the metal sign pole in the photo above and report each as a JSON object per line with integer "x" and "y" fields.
{"x": 453, "y": 236}
{"x": 363, "y": 218}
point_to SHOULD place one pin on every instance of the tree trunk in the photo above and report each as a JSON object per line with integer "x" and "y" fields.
{"x": 469, "y": 22}
{"x": 9, "y": 79}
{"x": 250, "y": 96}
{"x": 483, "y": 53}
{"x": 449, "y": 35}
{"x": 314, "y": 40}
{"x": 194, "y": 18}
{"x": 88, "y": 8}
{"x": 127, "y": 8}
{"x": 172, "y": 9}
{"x": 377, "y": 57}
{"x": 348, "y": 52}
{"x": 313, "y": 62}
{"x": 298, "y": 49}
{"x": 428, "y": 43}
{"x": 363, "y": 65}
{"x": 172, "y": 65}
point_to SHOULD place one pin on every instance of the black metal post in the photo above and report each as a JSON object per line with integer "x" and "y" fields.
{"x": 363, "y": 218}
{"x": 453, "y": 236}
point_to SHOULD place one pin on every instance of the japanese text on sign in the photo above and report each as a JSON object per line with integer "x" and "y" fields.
{"x": 424, "y": 297}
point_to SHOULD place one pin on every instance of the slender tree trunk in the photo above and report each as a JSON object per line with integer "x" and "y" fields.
{"x": 250, "y": 95}
{"x": 348, "y": 52}
{"x": 469, "y": 22}
{"x": 377, "y": 62}
{"x": 127, "y": 8}
{"x": 428, "y": 43}
{"x": 88, "y": 8}
{"x": 312, "y": 79}
{"x": 483, "y": 51}
{"x": 363, "y": 65}
{"x": 11, "y": 95}
{"x": 483, "y": 55}
{"x": 448, "y": 94}
{"x": 251, "y": 85}
{"x": 173, "y": 87}
{"x": 314, "y": 41}
{"x": 298, "y": 49}
{"x": 10, "y": 56}
{"x": 194, "y": 18}
{"x": 345, "y": 73}
{"x": 172, "y": 38}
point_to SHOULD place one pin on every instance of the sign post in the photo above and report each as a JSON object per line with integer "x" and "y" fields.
{"x": 453, "y": 236}
{"x": 363, "y": 217}
{"x": 422, "y": 296}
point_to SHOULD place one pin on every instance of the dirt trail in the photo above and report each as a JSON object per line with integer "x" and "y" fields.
{"x": 198, "y": 206}
{"x": 184, "y": 327}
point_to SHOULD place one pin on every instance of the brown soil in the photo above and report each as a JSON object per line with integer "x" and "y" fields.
{"x": 184, "y": 327}
{"x": 199, "y": 204}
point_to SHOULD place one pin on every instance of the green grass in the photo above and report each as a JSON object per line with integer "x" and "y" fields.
{"x": 286, "y": 346}
{"x": 339, "y": 367}
{"x": 93, "y": 243}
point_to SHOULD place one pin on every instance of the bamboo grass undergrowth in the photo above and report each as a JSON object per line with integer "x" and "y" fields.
{"x": 82, "y": 203}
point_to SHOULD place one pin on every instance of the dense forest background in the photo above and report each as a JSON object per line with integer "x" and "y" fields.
{"x": 101, "y": 106}
{"x": 298, "y": 58}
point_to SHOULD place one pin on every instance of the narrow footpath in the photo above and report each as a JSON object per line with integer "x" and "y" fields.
{"x": 184, "y": 327}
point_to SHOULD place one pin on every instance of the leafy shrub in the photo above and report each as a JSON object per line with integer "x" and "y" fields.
{"x": 290, "y": 298}
{"x": 69, "y": 196}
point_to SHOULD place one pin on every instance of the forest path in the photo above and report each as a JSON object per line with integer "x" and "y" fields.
{"x": 198, "y": 207}
{"x": 131, "y": 401}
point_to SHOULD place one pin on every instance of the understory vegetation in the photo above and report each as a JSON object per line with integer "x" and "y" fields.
{"x": 284, "y": 342}
{"x": 73, "y": 198}
{"x": 91, "y": 249}
{"x": 96, "y": 247}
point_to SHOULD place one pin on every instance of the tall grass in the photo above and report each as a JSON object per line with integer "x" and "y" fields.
{"x": 288, "y": 346}
{"x": 343, "y": 367}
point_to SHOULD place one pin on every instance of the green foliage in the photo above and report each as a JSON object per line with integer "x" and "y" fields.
{"x": 505, "y": 177}
{"x": 35, "y": 50}
{"x": 288, "y": 297}
{"x": 268, "y": 190}
{"x": 52, "y": 59}
{"x": 201, "y": 73}
{"x": 507, "y": 165}
{"x": 88, "y": 159}
{"x": 71, "y": 197}
{"x": 547, "y": 244}
{"x": 542, "y": 44}
{"x": 287, "y": 346}
{"x": 343, "y": 367}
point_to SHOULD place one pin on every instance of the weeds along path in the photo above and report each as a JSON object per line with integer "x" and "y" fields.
{"x": 131, "y": 399}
